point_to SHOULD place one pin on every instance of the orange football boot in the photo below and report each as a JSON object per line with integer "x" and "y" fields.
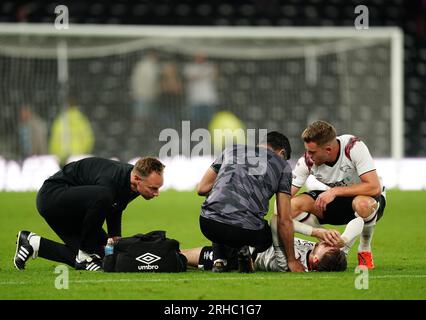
{"x": 365, "y": 258}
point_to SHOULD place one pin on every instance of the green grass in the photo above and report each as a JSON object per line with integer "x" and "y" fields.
{"x": 399, "y": 250}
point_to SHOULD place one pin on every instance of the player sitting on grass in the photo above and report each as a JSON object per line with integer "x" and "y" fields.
{"x": 329, "y": 254}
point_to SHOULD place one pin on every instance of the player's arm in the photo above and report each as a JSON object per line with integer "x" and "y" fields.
{"x": 368, "y": 186}
{"x": 286, "y": 231}
{"x": 207, "y": 181}
{"x": 113, "y": 216}
{"x": 330, "y": 236}
{"x": 364, "y": 165}
{"x": 113, "y": 221}
{"x": 206, "y": 184}
{"x": 300, "y": 175}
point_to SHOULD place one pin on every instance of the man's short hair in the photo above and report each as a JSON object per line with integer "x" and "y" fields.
{"x": 320, "y": 132}
{"x": 145, "y": 166}
{"x": 278, "y": 141}
{"x": 333, "y": 260}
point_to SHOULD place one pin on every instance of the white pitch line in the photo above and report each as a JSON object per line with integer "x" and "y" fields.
{"x": 248, "y": 278}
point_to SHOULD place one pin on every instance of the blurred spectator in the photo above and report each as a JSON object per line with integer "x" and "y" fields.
{"x": 170, "y": 100}
{"x": 144, "y": 86}
{"x": 32, "y": 133}
{"x": 226, "y": 127}
{"x": 201, "y": 91}
{"x": 71, "y": 134}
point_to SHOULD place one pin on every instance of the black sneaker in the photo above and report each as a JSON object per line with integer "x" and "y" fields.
{"x": 23, "y": 250}
{"x": 93, "y": 263}
{"x": 219, "y": 265}
{"x": 245, "y": 262}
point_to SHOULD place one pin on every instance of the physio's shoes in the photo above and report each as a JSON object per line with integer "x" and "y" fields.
{"x": 92, "y": 263}
{"x": 220, "y": 265}
{"x": 365, "y": 258}
{"x": 245, "y": 261}
{"x": 23, "y": 249}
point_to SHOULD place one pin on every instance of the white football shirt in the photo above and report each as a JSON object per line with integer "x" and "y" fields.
{"x": 274, "y": 259}
{"x": 354, "y": 160}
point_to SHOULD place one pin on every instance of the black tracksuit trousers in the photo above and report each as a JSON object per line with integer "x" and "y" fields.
{"x": 76, "y": 214}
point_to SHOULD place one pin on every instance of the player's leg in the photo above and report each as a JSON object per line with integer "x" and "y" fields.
{"x": 303, "y": 209}
{"x": 54, "y": 251}
{"x": 369, "y": 210}
{"x": 203, "y": 258}
{"x": 192, "y": 256}
{"x": 350, "y": 234}
{"x": 259, "y": 241}
{"x": 217, "y": 233}
{"x": 24, "y": 249}
{"x": 227, "y": 239}
{"x": 76, "y": 214}
{"x": 30, "y": 244}
{"x": 343, "y": 209}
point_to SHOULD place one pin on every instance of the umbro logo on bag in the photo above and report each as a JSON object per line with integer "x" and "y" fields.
{"x": 148, "y": 258}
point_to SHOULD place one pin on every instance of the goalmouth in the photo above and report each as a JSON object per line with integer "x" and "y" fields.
{"x": 274, "y": 77}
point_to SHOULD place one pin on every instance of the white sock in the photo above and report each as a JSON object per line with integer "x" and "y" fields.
{"x": 366, "y": 237}
{"x": 352, "y": 231}
{"x": 367, "y": 232}
{"x": 225, "y": 262}
{"x": 34, "y": 241}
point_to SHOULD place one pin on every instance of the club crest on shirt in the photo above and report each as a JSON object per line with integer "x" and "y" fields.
{"x": 345, "y": 168}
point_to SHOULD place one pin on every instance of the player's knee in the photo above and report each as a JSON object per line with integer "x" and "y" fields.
{"x": 300, "y": 204}
{"x": 364, "y": 206}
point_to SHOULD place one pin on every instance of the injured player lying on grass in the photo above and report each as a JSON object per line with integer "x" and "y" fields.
{"x": 328, "y": 254}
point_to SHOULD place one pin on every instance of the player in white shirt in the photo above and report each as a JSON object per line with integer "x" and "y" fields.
{"x": 344, "y": 164}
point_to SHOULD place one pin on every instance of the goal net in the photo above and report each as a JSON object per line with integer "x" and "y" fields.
{"x": 130, "y": 83}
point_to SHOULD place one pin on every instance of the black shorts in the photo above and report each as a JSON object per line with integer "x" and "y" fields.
{"x": 340, "y": 212}
{"x": 235, "y": 236}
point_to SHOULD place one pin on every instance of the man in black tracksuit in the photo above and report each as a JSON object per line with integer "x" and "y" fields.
{"x": 76, "y": 201}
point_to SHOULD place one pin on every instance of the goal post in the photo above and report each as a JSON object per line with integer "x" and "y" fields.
{"x": 278, "y": 78}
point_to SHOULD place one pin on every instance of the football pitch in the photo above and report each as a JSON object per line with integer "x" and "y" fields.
{"x": 399, "y": 250}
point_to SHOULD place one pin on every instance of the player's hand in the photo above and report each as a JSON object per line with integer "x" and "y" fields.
{"x": 296, "y": 266}
{"x": 333, "y": 238}
{"x": 324, "y": 199}
{"x": 115, "y": 239}
{"x": 329, "y": 236}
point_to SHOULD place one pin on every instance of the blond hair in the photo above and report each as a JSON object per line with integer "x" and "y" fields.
{"x": 320, "y": 132}
{"x": 145, "y": 166}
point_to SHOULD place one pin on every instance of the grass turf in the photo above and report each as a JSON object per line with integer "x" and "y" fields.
{"x": 399, "y": 251}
